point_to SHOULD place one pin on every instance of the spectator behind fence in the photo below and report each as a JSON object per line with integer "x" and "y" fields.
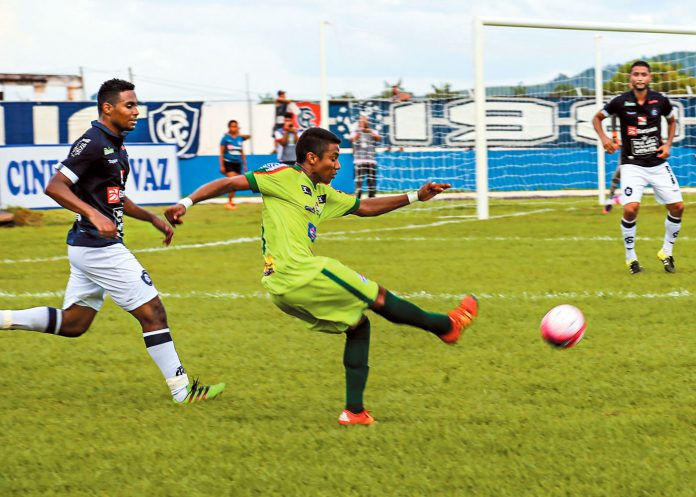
{"x": 364, "y": 150}
{"x": 286, "y": 139}
{"x": 282, "y": 107}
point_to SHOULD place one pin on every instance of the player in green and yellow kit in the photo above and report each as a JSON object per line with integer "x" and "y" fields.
{"x": 327, "y": 295}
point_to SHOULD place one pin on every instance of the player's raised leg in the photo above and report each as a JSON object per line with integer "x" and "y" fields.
{"x": 71, "y": 322}
{"x": 448, "y": 327}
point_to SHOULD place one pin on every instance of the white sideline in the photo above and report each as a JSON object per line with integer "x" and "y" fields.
{"x": 522, "y": 296}
{"x": 255, "y": 239}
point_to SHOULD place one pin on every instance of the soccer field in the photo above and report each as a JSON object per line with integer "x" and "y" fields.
{"x": 501, "y": 414}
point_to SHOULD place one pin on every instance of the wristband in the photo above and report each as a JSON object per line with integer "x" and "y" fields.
{"x": 413, "y": 197}
{"x": 186, "y": 202}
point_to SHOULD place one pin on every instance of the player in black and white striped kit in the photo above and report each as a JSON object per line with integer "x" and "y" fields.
{"x": 644, "y": 160}
{"x": 91, "y": 182}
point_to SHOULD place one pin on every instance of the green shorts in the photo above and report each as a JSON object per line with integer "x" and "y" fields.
{"x": 333, "y": 301}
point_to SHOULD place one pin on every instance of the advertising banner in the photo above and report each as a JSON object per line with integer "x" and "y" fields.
{"x": 26, "y": 170}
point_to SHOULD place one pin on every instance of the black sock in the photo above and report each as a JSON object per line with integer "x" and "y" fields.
{"x": 355, "y": 358}
{"x": 402, "y": 311}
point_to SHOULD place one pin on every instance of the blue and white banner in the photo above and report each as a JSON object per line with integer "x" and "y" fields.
{"x": 48, "y": 123}
{"x": 25, "y": 172}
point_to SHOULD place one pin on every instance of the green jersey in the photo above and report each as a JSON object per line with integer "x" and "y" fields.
{"x": 293, "y": 208}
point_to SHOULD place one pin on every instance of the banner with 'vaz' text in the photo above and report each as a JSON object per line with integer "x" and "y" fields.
{"x": 26, "y": 170}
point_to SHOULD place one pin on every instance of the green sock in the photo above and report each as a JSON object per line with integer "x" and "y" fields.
{"x": 401, "y": 311}
{"x": 355, "y": 361}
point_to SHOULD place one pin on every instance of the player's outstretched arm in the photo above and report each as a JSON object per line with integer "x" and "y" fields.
{"x": 209, "y": 190}
{"x": 382, "y": 205}
{"x": 131, "y": 209}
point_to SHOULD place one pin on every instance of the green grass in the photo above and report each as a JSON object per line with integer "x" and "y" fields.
{"x": 499, "y": 415}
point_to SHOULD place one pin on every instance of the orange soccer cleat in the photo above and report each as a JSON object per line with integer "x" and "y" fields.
{"x": 461, "y": 318}
{"x": 349, "y": 418}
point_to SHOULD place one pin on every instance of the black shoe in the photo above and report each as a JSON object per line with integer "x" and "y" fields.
{"x": 634, "y": 267}
{"x": 667, "y": 261}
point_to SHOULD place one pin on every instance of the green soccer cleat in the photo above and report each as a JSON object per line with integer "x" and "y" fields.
{"x": 197, "y": 392}
{"x": 634, "y": 267}
{"x": 667, "y": 261}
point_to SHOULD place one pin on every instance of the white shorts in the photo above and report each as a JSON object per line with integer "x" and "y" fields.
{"x": 634, "y": 179}
{"x": 95, "y": 271}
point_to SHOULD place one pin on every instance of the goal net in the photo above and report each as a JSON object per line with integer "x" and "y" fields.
{"x": 542, "y": 93}
{"x": 540, "y": 97}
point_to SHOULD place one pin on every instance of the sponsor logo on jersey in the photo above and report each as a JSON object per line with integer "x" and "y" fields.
{"x": 642, "y": 120}
{"x": 632, "y": 131}
{"x": 310, "y": 209}
{"x": 113, "y": 194}
{"x": 146, "y": 278}
{"x": 652, "y": 101}
{"x": 306, "y": 189}
{"x": 112, "y": 161}
{"x": 79, "y": 147}
{"x": 629, "y": 104}
{"x": 322, "y": 198}
{"x": 311, "y": 231}
{"x": 108, "y": 150}
{"x": 645, "y": 131}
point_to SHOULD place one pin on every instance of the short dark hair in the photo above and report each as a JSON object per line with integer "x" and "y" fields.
{"x": 640, "y": 63}
{"x": 315, "y": 140}
{"x": 281, "y": 92}
{"x": 110, "y": 90}
{"x": 232, "y": 121}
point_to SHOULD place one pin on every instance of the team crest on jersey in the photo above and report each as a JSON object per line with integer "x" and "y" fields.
{"x": 628, "y": 191}
{"x": 307, "y": 190}
{"x": 113, "y": 194}
{"x": 146, "y": 278}
{"x": 632, "y": 131}
{"x": 322, "y": 198}
{"x": 653, "y": 112}
{"x": 175, "y": 123}
{"x": 311, "y": 231}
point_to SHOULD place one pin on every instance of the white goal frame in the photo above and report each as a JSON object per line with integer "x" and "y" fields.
{"x": 482, "y": 194}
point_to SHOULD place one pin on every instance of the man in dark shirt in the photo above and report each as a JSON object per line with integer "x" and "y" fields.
{"x": 91, "y": 182}
{"x": 644, "y": 160}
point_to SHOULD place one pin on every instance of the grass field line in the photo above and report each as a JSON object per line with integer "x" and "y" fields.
{"x": 234, "y": 241}
{"x": 522, "y": 296}
{"x": 345, "y": 238}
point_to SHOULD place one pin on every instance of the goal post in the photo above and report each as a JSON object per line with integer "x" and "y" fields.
{"x": 482, "y": 104}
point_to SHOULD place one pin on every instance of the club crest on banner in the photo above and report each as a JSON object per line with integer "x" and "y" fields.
{"x": 308, "y": 115}
{"x": 177, "y": 124}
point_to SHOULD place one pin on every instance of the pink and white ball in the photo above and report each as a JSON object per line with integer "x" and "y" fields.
{"x": 563, "y": 326}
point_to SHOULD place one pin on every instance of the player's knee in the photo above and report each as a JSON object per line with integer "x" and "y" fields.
{"x": 676, "y": 210}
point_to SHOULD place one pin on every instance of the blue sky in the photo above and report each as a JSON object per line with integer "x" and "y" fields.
{"x": 205, "y": 49}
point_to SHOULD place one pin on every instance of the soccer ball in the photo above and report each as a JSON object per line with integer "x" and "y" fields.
{"x": 563, "y": 326}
